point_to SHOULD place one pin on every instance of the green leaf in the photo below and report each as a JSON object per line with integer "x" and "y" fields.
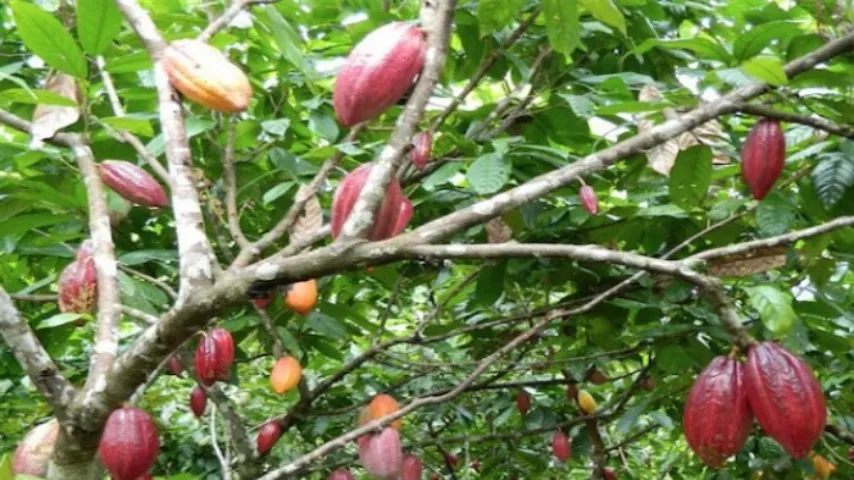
{"x": 46, "y": 37}
{"x": 606, "y": 12}
{"x": 286, "y": 38}
{"x": 774, "y": 307}
{"x": 489, "y": 173}
{"x": 767, "y": 69}
{"x": 441, "y": 175}
{"x": 274, "y": 193}
{"x": 326, "y": 325}
{"x": 137, "y": 126}
{"x": 707, "y": 49}
{"x": 58, "y": 320}
{"x": 493, "y": 15}
{"x": 139, "y": 257}
{"x": 98, "y": 23}
{"x": 36, "y": 96}
{"x": 753, "y": 42}
{"x": 490, "y": 284}
{"x": 562, "y": 24}
{"x": 775, "y": 215}
{"x": 691, "y": 177}
{"x": 834, "y": 174}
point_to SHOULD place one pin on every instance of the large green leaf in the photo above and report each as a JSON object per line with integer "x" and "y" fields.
{"x": 489, "y": 173}
{"x": 46, "y": 37}
{"x": 98, "y": 23}
{"x": 834, "y": 174}
{"x": 767, "y": 69}
{"x": 775, "y": 215}
{"x": 691, "y": 177}
{"x": 754, "y": 41}
{"x": 774, "y": 307}
{"x": 562, "y": 24}
{"x": 606, "y": 12}
{"x": 493, "y": 15}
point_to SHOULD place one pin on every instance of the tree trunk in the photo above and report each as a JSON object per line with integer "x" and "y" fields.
{"x": 74, "y": 458}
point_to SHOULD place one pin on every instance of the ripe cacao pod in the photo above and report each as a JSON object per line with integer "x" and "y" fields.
{"x": 609, "y": 474}
{"x": 475, "y": 465}
{"x": 390, "y": 220}
{"x": 383, "y": 405}
{"x": 215, "y": 356}
{"x": 586, "y": 402}
{"x": 381, "y": 455}
{"x": 523, "y": 401}
{"x": 78, "y": 283}
{"x": 785, "y": 397}
{"x": 301, "y": 297}
{"x": 32, "y": 457}
{"x": 422, "y": 147}
{"x": 411, "y": 469}
{"x": 198, "y": 401}
{"x": 174, "y": 367}
{"x": 341, "y": 474}
{"x": 132, "y": 183}
{"x": 561, "y": 446}
{"x": 451, "y": 460}
{"x": 596, "y": 377}
{"x": 717, "y": 417}
{"x": 129, "y": 444}
{"x": 268, "y": 435}
{"x": 823, "y": 468}
{"x": 286, "y": 374}
{"x": 589, "y": 199}
{"x": 206, "y": 76}
{"x": 378, "y": 71}
{"x": 763, "y": 157}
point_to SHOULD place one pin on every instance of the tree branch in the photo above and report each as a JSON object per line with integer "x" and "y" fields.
{"x": 232, "y": 11}
{"x": 231, "y": 187}
{"x": 814, "y": 121}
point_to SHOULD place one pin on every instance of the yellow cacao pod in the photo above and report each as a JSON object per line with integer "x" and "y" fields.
{"x": 823, "y": 468}
{"x": 206, "y": 76}
{"x": 586, "y": 402}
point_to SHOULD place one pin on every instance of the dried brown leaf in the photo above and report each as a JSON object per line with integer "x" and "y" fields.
{"x": 497, "y": 231}
{"x": 750, "y": 263}
{"x": 311, "y": 219}
{"x": 49, "y": 119}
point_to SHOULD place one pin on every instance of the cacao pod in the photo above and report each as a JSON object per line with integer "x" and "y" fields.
{"x": 571, "y": 392}
{"x": 475, "y": 465}
{"x": 823, "y": 468}
{"x": 78, "y": 283}
{"x": 264, "y": 301}
{"x": 763, "y": 157}
{"x": 32, "y": 457}
{"x": 609, "y": 474}
{"x": 411, "y": 469}
{"x": 717, "y": 417}
{"x": 198, "y": 401}
{"x": 785, "y": 397}
{"x": 268, "y": 435}
{"x": 381, "y": 455}
{"x": 586, "y": 402}
{"x": 648, "y": 383}
{"x": 383, "y": 405}
{"x": 286, "y": 374}
{"x": 589, "y": 199}
{"x": 206, "y": 76}
{"x": 390, "y": 220}
{"x": 132, "y": 183}
{"x": 341, "y": 474}
{"x": 561, "y": 446}
{"x": 451, "y": 460}
{"x": 174, "y": 367}
{"x": 378, "y": 71}
{"x": 422, "y": 147}
{"x": 596, "y": 377}
{"x": 851, "y": 454}
{"x": 523, "y": 401}
{"x": 301, "y": 297}
{"x": 129, "y": 445}
{"x": 215, "y": 356}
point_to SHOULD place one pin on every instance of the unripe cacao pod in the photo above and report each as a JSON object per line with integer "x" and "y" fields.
{"x": 390, "y": 219}
{"x": 823, "y": 468}
{"x": 596, "y": 377}
{"x": 561, "y": 446}
{"x": 717, "y": 417}
{"x": 609, "y": 474}
{"x": 133, "y": 183}
{"x": 340, "y": 474}
{"x": 174, "y": 367}
{"x": 378, "y": 71}
{"x": 32, "y": 457}
{"x": 763, "y": 157}
{"x": 383, "y": 405}
{"x": 523, "y": 401}
{"x": 301, "y": 297}
{"x": 215, "y": 356}
{"x": 78, "y": 284}
{"x": 412, "y": 468}
{"x": 285, "y": 375}
{"x": 381, "y": 455}
{"x": 586, "y": 402}
{"x": 268, "y": 435}
{"x": 129, "y": 444}
{"x": 589, "y": 199}
{"x": 206, "y": 76}
{"x": 785, "y": 397}
{"x": 198, "y": 401}
{"x": 422, "y": 147}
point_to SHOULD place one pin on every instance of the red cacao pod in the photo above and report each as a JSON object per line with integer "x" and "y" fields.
{"x": 78, "y": 284}
{"x": 391, "y": 218}
{"x": 381, "y": 454}
{"x": 475, "y": 465}
{"x": 215, "y": 356}
{"x": 206, "y": 76}
{"x": 133, "y": 183}
{"x": 523, "y": 401}
{"x": 763, "y": 157}
{"x": 129, "y": 445}
{"x": 268, "y": 435}
{"x": 785, "y": 397}
{"x": 717, "y": 417}
{"x": 412, "y": 468}
{"x": 609, "y": 474}
{"x": 589, "y": 199}
{"x": 561, "y": 446}
{"x": 851, "y": 454}
{"x": 422, "y": 147}
{"x": 451, "y": 460}
{"x": 378, "y": 71}
{"x": 32, "y": 457}
{"x": 340, "y": 474}
{"x": 174, "y": 367}
{"x": 263, "y": 301}
{"x": 198, "y": 401}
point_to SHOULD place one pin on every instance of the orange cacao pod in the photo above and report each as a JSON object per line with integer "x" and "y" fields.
{"x": 129, "y": 445}
{"x": 381, "y": 454}
{"x": 32, "y": 457}
{"x": 340, "y": 474}
{"x": 301, "y": 297}
{"x": 381, "y": 406}
{"x": 561, "y": 446}
{"x": 589, "y": 199}
{"x": 268, "y": 435}
{"x": 390, "y": 220}
{"x": 422, "y": 147}
{"x": 763, "y": 157}
{"x": 378, "y": 71}
{"x": 412, "y": 468}
{"x": 198, "y": 401}
{"x": 717, "y": 417}
{"x": 206, "y": 76}
{"x": 78, "y": 283}
{"x": 132, "y": 183}
{"x": 215, "y": 356}
{"x": 523, "y": 401}
{"x": 823, "y": 467}
{"x": 785, "y": 397}
{"x": 285, "y": 375}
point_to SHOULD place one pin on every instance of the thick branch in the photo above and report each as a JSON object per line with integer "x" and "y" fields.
{"x": 810, "y": 121}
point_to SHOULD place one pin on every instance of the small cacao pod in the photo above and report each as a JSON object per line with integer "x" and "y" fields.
{"x": 589, "y": 199}
{"x": 381, "y": 455}
{"x": 561, "y": 446}
{"x": 340, "y": 474}
{"x": 851, "y": 454}
{"x": 215, "y": 356}
{"x": 609, "y": 473}
{"x": 475, "y": 465}
{"x": 763, "y": 157}
{"x": 198, "y": 401}
{"x": 379, "y": 70}
{"x": 285, "y": 375}
{"x": 78, "y": 285}
{"x": 263, "y": 301}
{"x": 586, "y": 402}
{"x": 823, "y": 468}
{"x": 523, "y": 401}
{"x": 390, "y": 220}
{"x": 596, "y": 377}
{"x": 717, "y": 417}
{"x": 174, "y": 367}
{"x": 301, "y": 297}
{"x": 383, "y": 405}
{"x": 422, "y": 147}
{"x": 451, "y": 460}
{"x": 132, "y": 183}
{"x": 206, "y": 76}
{"x": 268, "y": 435}
{"x": 785, "y": 397}
{"x": 32, "y": 457}
{"x": 412, "y": 468}
{"x": 129, "y": 445}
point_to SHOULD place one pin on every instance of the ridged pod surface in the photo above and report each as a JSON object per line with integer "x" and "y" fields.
{"x": 523, "y": 401}
{"x": 378, "y": 72}
{"x": 717, "y": 417}
{"x": 268, "y": 435}
{"x": 198, "y": 401}
{"x": 340, "y": 474}
{"x": 381, "y": 455}
{"x": 785, "y": 397}
{"x": 285, "y": 375}
{"x": 132, "y": 183}
{"x": 586, "y": 402}
{"x": 206, "y": 76}
{"x": 422, "y": 148}
{"x": 32, "y": 456}
{"x": 589, "y": 200}
{"x": 392, "y": 217}
{"x": 215, "y": 356}
{"x": 561, "y": 446}
{"x": 763, "y": 157}
{"x": 301, "y": 297}
{"x": 412, "y": 468}
{"x": 78, "y": 283}
{"x": 129, "y": 445}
